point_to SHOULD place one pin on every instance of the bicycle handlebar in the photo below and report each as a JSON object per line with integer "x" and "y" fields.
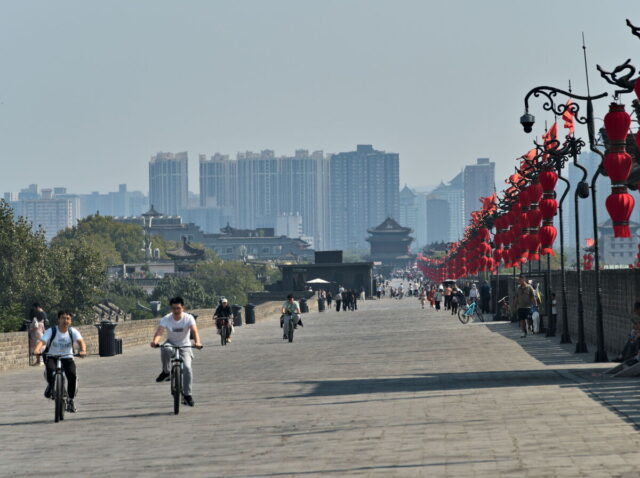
{"x": 171, "y": 346}
{"x": 59, "y": 355}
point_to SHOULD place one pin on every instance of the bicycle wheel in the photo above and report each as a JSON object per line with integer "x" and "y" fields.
{"x": 58, "y": 394}
{"x": 290, "y": 336}
{"x": 479, "y": 314}
{"x": 462, "y": 315}
{"x": 223, "y": 335}
{"x": 176, "y": 388}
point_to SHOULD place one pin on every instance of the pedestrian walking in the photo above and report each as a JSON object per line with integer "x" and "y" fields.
{"x": 525, "y": 299}
{"x": 338, "y": 301}
{"x": 439, "y": 295}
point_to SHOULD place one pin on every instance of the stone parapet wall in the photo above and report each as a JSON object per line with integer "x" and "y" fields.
{"x": 14, "y": 350}
{"x": 14, "y": 346}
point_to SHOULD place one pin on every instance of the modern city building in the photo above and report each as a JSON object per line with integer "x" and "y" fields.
{"x": 438, "y": 214}
{"x": 218, "y": 181}
{"x": 479, "y": 181}
{"x": 168, "y": 181}
{"x": 50, "y": 214}
{"x": 453, "y": 193}
{"x": 258, "y": 182}
{"x": 413, "y": 214}
{"x": 619, "y": 251}
{"x": 116, "y": 203}
{"x": 304, "y": 190}
{"x": 364, "y": 191}
{"x": 289, "y": 225}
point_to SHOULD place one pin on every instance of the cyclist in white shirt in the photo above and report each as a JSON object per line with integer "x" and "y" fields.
{"x": 178, "y": 326}
{"x": 59, "y": 340}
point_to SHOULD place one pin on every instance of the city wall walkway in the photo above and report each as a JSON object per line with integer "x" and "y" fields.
{"x": 389, "y": 390}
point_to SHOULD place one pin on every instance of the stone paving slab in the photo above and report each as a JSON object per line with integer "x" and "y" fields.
{"x": 389, "y": 390}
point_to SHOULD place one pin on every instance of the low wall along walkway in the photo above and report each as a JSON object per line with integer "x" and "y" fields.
{"x": 14, "y": 346}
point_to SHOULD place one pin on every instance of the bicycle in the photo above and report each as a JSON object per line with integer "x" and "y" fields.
{"x": 59, "y": 393}
{"x": 177, "y": 365}
{"x": 292, "y": 323}
{"x": 466, "y": 311}
{"x": 225, "y": 329}
{"x": 505, "y": 308}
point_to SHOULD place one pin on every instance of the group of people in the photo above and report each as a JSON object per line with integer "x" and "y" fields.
{"x": 347, "y": 299}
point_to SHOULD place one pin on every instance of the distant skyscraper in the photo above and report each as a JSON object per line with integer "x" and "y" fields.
{"x": 364, "y": 192}
{"x": 52, "y": 214}
{"x": 413, "y": 214}
{"x": 453, "y": 193}
{"x": 303, "y": 189}
{"x": 479, "y": 181}
{"x": 120, "y": 203}
{"x": 258, "y": 183}
{"x": 218, "y": 178}
{"x": 168, "y": 182}
{"x": 437, "y": 213}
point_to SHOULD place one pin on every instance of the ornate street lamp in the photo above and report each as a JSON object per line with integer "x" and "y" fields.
{"x": 582, "y": 189}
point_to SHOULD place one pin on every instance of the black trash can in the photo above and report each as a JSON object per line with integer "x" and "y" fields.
{"x": 118, "y": 346}
{"x": 250, "y": 317}
{"x": 106, "y": 338}
{"x": 237, "y": 314}
{"x": 321, "y": 305}
{"x": 304, "y": 307}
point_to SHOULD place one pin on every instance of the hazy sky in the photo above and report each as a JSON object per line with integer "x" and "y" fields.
{"x": 89, "y": 90}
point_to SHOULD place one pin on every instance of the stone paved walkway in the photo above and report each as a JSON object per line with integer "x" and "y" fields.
{"x": 389, "y": 390}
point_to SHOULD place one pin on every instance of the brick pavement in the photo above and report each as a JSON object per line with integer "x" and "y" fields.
{"x": 387, "y": 391}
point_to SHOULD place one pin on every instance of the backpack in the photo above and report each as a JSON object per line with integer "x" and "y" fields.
{"x": 54, "y": 330}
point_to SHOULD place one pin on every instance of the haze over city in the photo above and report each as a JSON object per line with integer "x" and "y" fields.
{"x": 92, "y": 89}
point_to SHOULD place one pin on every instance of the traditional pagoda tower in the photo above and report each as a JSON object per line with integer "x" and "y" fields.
{"x": 390, "y": 244}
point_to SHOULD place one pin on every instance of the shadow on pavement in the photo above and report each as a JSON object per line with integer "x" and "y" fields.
{"x": 76, "y": 418}
{"x": 362, "y": 468}
{"x": 547, "y": 350}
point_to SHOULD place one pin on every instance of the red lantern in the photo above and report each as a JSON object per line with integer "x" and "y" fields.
{"x": 547, "y": 236}
{"x": 617, "y": 163}
{"x": 620, "y": 206}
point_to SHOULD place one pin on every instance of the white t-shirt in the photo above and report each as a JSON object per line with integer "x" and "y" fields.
{"x": 178, "y": 330}
{"x": 61, "y": 344}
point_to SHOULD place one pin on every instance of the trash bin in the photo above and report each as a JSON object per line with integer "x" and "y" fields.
{"x": 106, "y": 338}
{"x": 237, "y": 314}
{"x": 321, "y": 306}
{"x": 250, "y": 317}
{"x": 304, "y": 307}
{"x": 118, "y": 346}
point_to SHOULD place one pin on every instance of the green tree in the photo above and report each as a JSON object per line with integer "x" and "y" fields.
{"x": 79, "y": 275}
{"x": 26, "y": 273}
{"x": 188, "y": 288}
{"x": 232, "y": 279}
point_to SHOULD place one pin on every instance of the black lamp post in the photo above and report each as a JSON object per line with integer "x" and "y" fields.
{"x": 582, "y": 190}
{"x": 559, "y": 157}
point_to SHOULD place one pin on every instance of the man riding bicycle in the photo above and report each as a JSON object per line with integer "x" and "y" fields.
{"x": 223, "y": 311}
{"x": 59, "y": 340}
{"x": 179, "y": 326}
{"x": 290, "y": 309}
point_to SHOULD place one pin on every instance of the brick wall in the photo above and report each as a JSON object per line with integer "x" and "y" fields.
{"x": 620, "y": 289}
{"x": 14, "y": 350}
{"x": 14, "y": 346}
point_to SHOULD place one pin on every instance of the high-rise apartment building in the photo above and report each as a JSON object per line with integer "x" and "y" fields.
{"x": 438, "y": 212}
{"x": 304, "y": 190}
{"x": 453, "y": 193}
{"x": 258, "y": 181}
{"x": 218, "y": 181}
{"x": 364, "y": 192}
{"x": 168, "y": 182}
{"x": 413, "y": 214}
{"x": 50, "y": 213}
{"x": 120, "y": 203}
{"x": 479, "y": 181}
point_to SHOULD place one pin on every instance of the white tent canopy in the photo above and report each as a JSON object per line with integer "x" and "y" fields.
{"x": 318, "y": 281}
